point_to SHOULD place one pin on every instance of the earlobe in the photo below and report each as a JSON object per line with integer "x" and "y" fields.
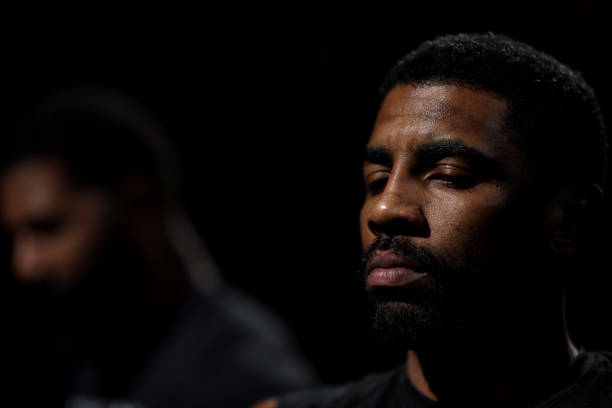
{"x": 571, "y": 216}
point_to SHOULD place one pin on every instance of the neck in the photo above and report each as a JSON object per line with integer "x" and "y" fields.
{"x": 166, "y": 272}
{"x": 520, "y": 368}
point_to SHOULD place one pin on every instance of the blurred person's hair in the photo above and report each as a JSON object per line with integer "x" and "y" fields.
{"x": 100, "y": 135}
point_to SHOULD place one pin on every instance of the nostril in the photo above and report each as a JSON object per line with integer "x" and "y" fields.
{"x": 374, "y": 227}
{"x": 409, "y": 222}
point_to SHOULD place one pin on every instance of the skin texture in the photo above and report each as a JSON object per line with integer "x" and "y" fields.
{"x": 57, "y": 230}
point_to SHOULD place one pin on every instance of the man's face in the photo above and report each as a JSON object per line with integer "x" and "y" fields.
{"x": 443, "y": 219}
{"x": 57, "y": 229}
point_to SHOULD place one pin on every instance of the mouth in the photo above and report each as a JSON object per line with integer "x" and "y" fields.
{"x": 391, "y": 270}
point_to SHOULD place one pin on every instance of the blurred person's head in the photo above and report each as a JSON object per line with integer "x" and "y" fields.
{"x": 87, "y": 189}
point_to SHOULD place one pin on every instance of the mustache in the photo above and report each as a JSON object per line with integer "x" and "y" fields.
{"x": 403, "y": 246}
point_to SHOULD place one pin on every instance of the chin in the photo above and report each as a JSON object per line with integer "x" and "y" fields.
{"x": 405, "y": 324}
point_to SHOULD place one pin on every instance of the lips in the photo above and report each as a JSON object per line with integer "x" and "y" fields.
{"x": 389, "y": 269}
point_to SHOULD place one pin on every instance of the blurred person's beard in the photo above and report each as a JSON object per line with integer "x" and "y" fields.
{"x": 114, "y": 279}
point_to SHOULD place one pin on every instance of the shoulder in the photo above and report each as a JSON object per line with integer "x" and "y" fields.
{"x": 597, "y": 380}
{"x": 593, "y": 388}
{"x": 374, "y": 390}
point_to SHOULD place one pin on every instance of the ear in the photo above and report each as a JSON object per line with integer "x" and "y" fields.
{"x": 571, "y": 216}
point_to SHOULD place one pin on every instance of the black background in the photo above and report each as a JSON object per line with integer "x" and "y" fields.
{"x": 270, "y": 107}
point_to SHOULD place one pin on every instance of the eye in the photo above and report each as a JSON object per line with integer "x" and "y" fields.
{"x": 375, "y": 183}
{"x": 46, "y": 225}
{"x": 453, "y": 176}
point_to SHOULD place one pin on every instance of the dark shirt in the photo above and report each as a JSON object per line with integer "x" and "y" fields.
{"x": 222, "y": 350}
{"x": 592, "y": 387}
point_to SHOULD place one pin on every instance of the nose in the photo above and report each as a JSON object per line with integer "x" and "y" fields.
{"x": 397, "y": 210}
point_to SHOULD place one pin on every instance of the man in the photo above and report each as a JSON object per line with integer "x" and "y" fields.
{"x": 104, "y": 305}
{"x": 482, "y": 173}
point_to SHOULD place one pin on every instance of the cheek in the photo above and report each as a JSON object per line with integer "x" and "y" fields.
{"x": 78, "y": 247}
{"x": 464, "y": 226}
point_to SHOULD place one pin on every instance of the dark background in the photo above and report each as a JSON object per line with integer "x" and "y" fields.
{"x": 269, "y": 108}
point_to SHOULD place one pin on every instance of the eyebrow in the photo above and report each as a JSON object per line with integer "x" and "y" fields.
{"x": 432, "y": 152}
{"x": 440, "y": 149}
{"x": 377, "y": 155}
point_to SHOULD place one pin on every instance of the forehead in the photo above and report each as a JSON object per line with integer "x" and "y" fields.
{"x": 37, "y": 175}
{"x": 34, "y": 187}
{"x": 412, "y": 115}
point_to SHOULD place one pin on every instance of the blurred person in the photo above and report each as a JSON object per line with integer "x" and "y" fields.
{"x": 484, "y": 174}
{"x": 117, "y": 301}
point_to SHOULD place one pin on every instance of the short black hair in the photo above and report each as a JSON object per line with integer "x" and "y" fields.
{"x": 99, "y": 134}
{"x": 552, "y": 113}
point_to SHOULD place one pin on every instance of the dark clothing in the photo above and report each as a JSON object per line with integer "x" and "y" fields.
{"x": 592, "y": 387}
{"x": 381, "y": 390}
{"x": 220, "y": 350}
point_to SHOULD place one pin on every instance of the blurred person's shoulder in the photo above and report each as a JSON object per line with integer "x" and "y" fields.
{"x": 261, "y": 338}
{"x": 227, "y": 350}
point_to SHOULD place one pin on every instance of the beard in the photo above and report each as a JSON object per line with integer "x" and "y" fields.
{"x": 423, "y": 312}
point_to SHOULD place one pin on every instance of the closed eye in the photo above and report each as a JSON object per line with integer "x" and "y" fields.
{"x": 377, "y": 186}
{"x": 376, "y": 182}
{"x": 453, "y": 176}
{"x": 46, "y": 225}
